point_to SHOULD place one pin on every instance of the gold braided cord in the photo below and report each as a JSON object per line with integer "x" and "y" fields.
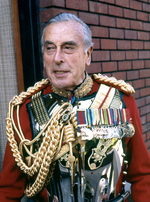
{"x": 18, "y": 99}
{"x": 48, "y": 150}
{"x": 53, "y": 122}
{"x": 52, "y": 167}
{"x": 121, "y": 83}
{"x": 42, "y": 160}
{"x": 46, "y": 169}
{"x": 68, "y": 133}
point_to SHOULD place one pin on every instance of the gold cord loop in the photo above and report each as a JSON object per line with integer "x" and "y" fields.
{"x": 42, "y": 164}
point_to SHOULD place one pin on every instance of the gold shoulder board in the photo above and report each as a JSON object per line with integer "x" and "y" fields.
{"x": 126, "y": 87}
{"x": 19, "y": 99}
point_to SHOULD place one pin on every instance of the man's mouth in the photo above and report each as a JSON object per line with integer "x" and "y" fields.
{"x": 60, "y": 72}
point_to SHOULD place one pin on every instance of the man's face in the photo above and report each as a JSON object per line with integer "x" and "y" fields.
{"x": 63, "y": 54}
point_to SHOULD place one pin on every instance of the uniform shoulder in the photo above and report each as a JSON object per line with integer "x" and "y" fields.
{"x": 112, "y": 81}
{"x": 19, "y": 99}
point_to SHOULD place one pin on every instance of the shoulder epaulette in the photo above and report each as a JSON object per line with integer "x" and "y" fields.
{"x": 18, "y": 99}
{"x": 125, "y": 87}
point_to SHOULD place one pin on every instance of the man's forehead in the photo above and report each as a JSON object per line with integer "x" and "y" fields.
{"x": 65, "y": 29}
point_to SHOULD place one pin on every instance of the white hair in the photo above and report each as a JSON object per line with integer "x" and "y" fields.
{"x": 63, "y": 17}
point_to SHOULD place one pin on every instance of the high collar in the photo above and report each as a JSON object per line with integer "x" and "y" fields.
{"x": 80, "y": 91}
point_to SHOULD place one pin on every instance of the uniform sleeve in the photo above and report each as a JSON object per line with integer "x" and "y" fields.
{"x": 12, "y": 180}
{"x": 139, "y": 159}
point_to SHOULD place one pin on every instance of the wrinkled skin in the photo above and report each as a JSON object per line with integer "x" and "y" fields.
{"x": 64, "y": 57}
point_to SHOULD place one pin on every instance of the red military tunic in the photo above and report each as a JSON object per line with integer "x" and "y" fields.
{"x": 13, "y": 180}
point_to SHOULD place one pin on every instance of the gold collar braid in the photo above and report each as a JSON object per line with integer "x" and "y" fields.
{"x": 80, "y": 92}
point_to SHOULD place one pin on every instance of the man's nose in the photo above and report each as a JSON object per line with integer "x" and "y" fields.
{"x": 58, "y": 57}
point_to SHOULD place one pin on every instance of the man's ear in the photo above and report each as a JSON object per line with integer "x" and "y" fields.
{"x": 88, "y": 59}
{"x": 43, "y": 63}
{"x": 44, "y": 73}
{"x": 44, "y": 70}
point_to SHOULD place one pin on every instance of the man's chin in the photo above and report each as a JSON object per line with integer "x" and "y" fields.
{"x": 63, "y": 86}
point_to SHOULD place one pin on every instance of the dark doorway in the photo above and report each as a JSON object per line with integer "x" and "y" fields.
{"x": 30, "y": 41}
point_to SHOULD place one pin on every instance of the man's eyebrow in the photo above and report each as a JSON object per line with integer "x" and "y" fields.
{"x": 47, "y": 42}
{"x": 72, "y": 43}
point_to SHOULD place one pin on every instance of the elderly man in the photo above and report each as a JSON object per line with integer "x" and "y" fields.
{"x": 73, "y": 137}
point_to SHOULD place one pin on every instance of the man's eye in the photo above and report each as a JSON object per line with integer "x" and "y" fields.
{"x": 68, "y": 49}
{"x": 50, "y": 47}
